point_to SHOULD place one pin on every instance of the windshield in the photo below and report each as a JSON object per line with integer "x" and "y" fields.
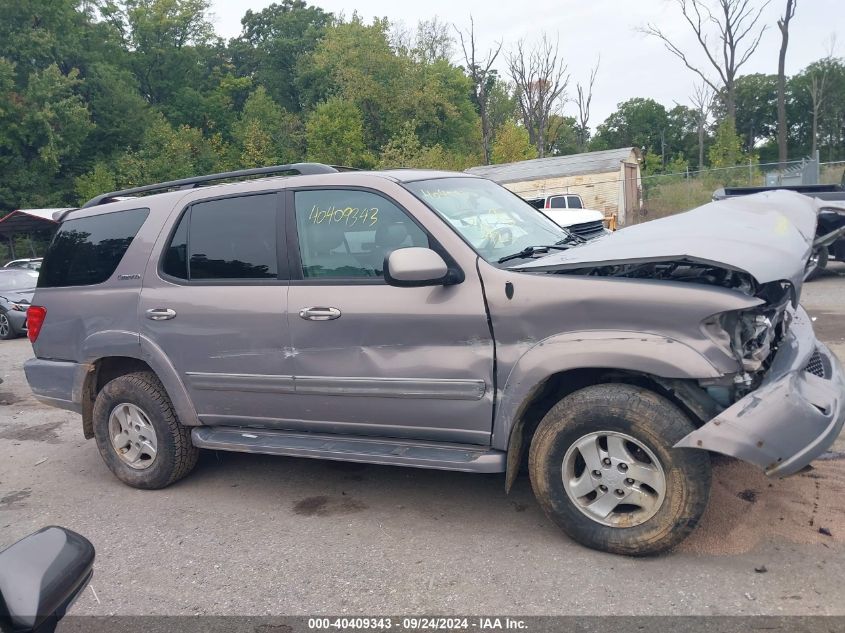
{"x": 17, "y": 279}
{"x": 492, "y": 219}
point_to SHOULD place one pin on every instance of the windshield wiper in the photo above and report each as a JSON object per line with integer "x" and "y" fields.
{"x": 530, "y": 251}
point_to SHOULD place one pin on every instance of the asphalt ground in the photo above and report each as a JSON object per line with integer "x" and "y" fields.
{"x": 260, "y": 535}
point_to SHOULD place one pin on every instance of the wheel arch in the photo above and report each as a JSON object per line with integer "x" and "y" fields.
{"x": 144, "y": 357}
{"x": 549, "y": 372}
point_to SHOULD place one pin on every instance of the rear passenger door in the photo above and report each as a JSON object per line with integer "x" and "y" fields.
{"x": 216, "y": 303}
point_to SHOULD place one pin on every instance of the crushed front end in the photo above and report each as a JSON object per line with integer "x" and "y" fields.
{"x": 794, "y": 407}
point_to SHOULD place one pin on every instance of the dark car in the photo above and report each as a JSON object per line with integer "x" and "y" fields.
{"x": 16, "y": 288}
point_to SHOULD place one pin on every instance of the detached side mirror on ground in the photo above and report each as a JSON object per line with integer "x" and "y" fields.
{"x": 415, "y": 266}
{"x": 40, "y": 577}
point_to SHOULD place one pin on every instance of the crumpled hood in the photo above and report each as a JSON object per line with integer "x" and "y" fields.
{"x": 767, "y": 235}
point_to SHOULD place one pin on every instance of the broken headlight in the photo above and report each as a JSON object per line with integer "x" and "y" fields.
{"x": 751, "y": 336}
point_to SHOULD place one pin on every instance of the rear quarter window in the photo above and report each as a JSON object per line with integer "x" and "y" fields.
{"x": 87, "y": 251}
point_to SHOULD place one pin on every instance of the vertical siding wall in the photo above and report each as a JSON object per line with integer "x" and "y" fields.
{"x": 602, "y": 191}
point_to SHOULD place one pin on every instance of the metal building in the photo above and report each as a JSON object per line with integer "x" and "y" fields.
{"x": 609, "y": 180}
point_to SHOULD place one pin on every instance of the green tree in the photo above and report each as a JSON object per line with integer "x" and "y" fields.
{"x": 165, "y": 38}
{"x": 166, "y": 153}
{"x": 42, "y": 131}
{"x": 512, "y": 144}
{"x": 825, "y": 79}
{"x": 561, "y": 136}
{"x": 726, "y": 150}
{"x": 266, "y": 134}
{"x": 271, "y": 44}
{"x": 405, "y": 150}
{"x": 756, "y": 109}
{"x": 334, "y": 133}
{"x": 638, "y": 123}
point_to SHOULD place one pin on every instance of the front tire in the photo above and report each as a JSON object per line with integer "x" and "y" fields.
{"x": 138, "y": 434}
{"x": 603, "y": 468}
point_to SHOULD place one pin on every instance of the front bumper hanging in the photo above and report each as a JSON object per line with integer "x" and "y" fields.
{"x": 792, "y": 418}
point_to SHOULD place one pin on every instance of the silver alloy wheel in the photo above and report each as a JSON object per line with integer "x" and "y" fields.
{"x": 613, "y": 479}
{"x": 132, "y": 436}
{"x": 5, "y": 326}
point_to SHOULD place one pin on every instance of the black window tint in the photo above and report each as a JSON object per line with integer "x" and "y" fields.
{"x": 348, "y": 233}
{"x": 558, "y": 202}
{"x": 575, "y": 202}
{"x": 88, "y": 250}
{"x": 176, "y": 255}
{"x": 234, "y": 238}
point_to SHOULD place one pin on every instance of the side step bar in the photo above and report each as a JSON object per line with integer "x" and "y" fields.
{"x": 461, "y": 457}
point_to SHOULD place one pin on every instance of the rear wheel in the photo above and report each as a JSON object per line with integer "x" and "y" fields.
{"x": 7, "y": 330}
{"x": 603, "y": 468}
{"x": 139, "y": 435}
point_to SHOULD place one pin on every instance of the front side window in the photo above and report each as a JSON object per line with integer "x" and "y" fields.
{"x": 574, "y": 202}
{"x": 348, "y": 233}
{"x": 490, "y": 218}
{"x": 231, "y": 238}
{"x": 88, "y": 250}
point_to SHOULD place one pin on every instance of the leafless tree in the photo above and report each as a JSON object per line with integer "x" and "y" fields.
{"x": 818, "y": 84}
{"x": 480, "y": 70}
{"x": 540, "y": 77}
{"x": 702, "y": 102}
{"x": 583, "y": 100}
{"x": 738, "y": 36}
{"x": 783, "y": 25}
{"x": 434, "y": 40}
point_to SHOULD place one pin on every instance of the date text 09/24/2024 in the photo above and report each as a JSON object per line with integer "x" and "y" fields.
{"x": 418, "y": 623}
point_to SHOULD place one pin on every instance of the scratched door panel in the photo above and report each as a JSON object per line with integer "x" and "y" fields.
{"x": 374, "y": 359}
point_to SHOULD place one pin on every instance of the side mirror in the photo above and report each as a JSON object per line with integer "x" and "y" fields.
{"x": 40, "y": 577}
{"x": 415, "y": 266}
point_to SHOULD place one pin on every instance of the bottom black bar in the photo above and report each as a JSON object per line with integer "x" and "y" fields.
{"x": 408, "y": 624}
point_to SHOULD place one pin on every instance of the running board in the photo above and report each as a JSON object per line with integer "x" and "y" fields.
{"x": 461, "y": 457}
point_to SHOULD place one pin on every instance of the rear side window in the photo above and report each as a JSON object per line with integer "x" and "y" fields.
{"x": 87, "y": 251}
{"x": 232, "y": 238}
{"x": 558, "y": 202}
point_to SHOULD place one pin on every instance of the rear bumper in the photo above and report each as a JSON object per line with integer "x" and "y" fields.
{"x": 56, "y": 383}
{"x": 792, "y": 418}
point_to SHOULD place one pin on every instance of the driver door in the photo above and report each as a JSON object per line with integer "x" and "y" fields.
{"x": 374, "y": 359}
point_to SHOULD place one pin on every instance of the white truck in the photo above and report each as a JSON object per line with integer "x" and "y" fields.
{"x": 567, "y": 210}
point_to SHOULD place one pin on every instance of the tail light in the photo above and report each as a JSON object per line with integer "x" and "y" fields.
{"x": 35, "y": 316}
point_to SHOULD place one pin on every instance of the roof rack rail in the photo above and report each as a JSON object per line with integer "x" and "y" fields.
{"x": 303, "y": 169}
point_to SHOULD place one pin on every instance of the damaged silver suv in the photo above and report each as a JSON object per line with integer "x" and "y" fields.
{"x": 433, "y": 319}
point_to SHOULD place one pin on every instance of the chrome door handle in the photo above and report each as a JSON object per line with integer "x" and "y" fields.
{"x": 160, "y": 314}
{"x": 319, "y": 314}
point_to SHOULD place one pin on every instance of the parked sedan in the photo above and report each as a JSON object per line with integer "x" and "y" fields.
{"x": 16, "y": 288}
{"x": 31, "y": 264}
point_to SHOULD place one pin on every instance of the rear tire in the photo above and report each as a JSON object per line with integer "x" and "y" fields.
{"x": 134, "y": 410}
{"x": 569, "y": 464}
{"x": 7, "y": 330}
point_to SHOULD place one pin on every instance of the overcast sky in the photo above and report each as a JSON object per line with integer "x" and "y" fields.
{"x": 632, "y": 64}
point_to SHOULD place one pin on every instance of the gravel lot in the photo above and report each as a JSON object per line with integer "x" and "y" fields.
{"x": 269, "y": 535}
